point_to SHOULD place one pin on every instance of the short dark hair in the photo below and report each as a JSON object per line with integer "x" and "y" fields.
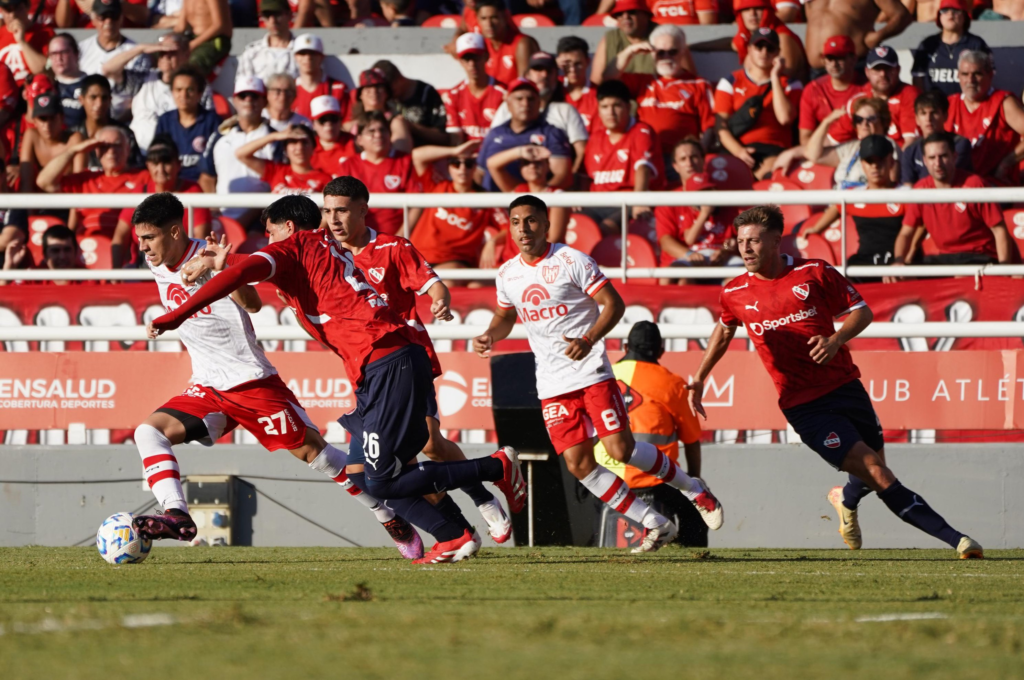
{"x": 496, "y": 4}
{"x": 95, "y": 80}
{"x": 940, "y": 137}
{"x": 71, "y": 41}
{"x": 933, "y": 98}
{"x": 190, "y": 72}
{"x": 347, "y": 186}
{"x": 372, "y": 117}
{"x": 299, "y": 209}
{"x": 58, "y": 232}
{"x": 162, "y": 149}
{"x": 688, "y": 140}
{"x": 572, "y": 43}
{"x": 161, "y": 210}
{"x": 615, "y": 89}
{"x": 768, "y": 216}
{"x": 530, "y": 200}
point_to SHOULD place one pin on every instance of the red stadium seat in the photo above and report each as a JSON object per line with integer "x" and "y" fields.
{"x": 226, "y": 226}
{"x": 95, "y": 249}
{"x": 582, "y": 233}
{"x": 1014, "y": 218}
{"x": 794, "y": 214}
{"x": 606, "y": 20}
{"x": 36, "y": 227}
{"x": 814, "y": 246}
{"x": 811, "y": 176}
{"x": 728, "y": 173}
{"x": 645, "y": 228}
{"x": 532, "y": 21}
{"x": 639, "y": 253}
{"x": 442, "y": 21}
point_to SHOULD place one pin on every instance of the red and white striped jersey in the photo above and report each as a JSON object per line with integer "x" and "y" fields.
{"x": 219, "y": 338}
{"x": 554, "y": 300}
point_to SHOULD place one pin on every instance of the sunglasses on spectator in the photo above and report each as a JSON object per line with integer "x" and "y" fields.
{"x": 860, "y": 120}
{"x": 666, "y": 54}
{"x": 627, "y": 13}
{"x": 328, "y": 120}
{"x": 248, "y": 95}
{"x": 468, "y": 163}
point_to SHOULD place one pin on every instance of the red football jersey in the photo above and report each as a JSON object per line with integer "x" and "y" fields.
{"x": 393, "y": 175}
{"x": 340, "y": 309}
{"x": 330, "y": 161}
{"x": 782, "y": 314}
{"x": 612, "y": 167}
{"x": 991, "y": 137}
{"x": 328, "y": 85}
{"x": 471, "y": 115}
{"x": 586, "y": 106}
{"x": 901, "y": 110}
{"x": 455, "y": 234}
{"x": 10, "y": 96}
{"x": 820, "y": 99}
{"x": 10, "y": 53}
{"x": 283, "y": 180}
{"x": 957, "y": 227}
{"x": 682, "y": 12}
{"x": 676, "y": 108}
{"x": 501, "y": 62}
{"x": 737, "y": 88}
{"x": 674, "y": 221}
{"x": 102, "y": 220}
{"x": 399, "y": 273}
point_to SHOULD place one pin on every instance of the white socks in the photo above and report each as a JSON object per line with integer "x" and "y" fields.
{"x": 160, "y": 467}
{"x": 647, "y": 458}
{"x": 331, "y": 462}
{"x": 612, "y": 491}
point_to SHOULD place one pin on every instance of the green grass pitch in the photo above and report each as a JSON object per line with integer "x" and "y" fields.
{"x": 567, "y": 613}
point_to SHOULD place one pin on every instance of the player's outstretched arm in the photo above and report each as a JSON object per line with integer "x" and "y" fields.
{"x": 499, "y": 329}
{"x": 612, "y": 309}
{"x": 253, "y": 268}
{"x": 718, "y": 343}
{"x": 823, "y": 349}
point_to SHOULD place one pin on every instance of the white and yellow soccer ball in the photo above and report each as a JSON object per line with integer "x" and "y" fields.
{"x": 119, "y": 542}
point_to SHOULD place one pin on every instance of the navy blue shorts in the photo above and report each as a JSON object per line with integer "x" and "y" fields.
{"x": 388, "y": 427}
{"x": 833, "y": 423}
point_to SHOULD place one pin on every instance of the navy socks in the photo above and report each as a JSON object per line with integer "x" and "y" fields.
{"x": 913, "y": 510}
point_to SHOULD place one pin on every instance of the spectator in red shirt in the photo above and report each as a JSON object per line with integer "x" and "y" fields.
{"x": 757, "y": 105}
{"x": 573, "y": 59}
{"x": 992, "y": 120}
{"x": 842, "y": 80}
{"x": 111, "y": 144}
{"x": 297, "y": 176}
{"x": 23, "y": 43}
{"x": 313, "y": 82}
{"x": 754, "y": 14}
{"x": 883, "y": 74}
{"x": 333, "y": 146}
{"x": 509, "y": 49}
{"x": 471, "y": 105}
{"x": 691, "y": 236}
{"x": 965, "y": 233}
{"x": 374, "y": 95}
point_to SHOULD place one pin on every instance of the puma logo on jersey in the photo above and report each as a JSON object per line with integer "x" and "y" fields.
{"x": 753, "y": 306}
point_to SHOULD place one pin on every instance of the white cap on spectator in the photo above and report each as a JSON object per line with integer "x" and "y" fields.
{"x": 469, "y": 43}
{"x": 250, "y": 84}
{"x": 324, "y": 105}
{"x": 307, "y": 42}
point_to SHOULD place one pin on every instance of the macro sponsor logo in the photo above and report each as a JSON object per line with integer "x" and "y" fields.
{"x": 535, "y": 294}
{"x": 759, "y": 328}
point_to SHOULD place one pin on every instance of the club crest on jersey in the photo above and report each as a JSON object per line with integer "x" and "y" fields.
{"x": 550, "y": 273}
{"x": 960, "y": 207}
{"x": 537, "y": 139}
{"x": 392, "y": 182}
{"x": 832, "y": 440}
{"x": 622, "y": 155}
{"x": 802, "y": 290}
{"x": 376, "y": 274}
{"x": 893, "y": 208}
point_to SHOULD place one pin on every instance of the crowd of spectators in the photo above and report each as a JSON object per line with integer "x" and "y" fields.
{"x": 629, "y": 113}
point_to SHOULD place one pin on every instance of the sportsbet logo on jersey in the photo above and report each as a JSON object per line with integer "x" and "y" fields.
{"x": 771, "y": 324}
{"x": 536, "y": 294}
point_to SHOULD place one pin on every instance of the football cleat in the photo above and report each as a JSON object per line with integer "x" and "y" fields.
{"x": 406, "y": 539}
{"x": 709, "y": 507}
{"x": 499, "y": 526}
{"x": 849, "y": 527}
{"x": 969, "y": 549}
{"x": 173, "y": 523}
{"x": 451, "y": 551}
{"x": 657, "y": 537}
{"x": 512, "y": 483}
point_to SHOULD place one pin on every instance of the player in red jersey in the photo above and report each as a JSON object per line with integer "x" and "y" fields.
{"x": 233, "y": 383}
{"x": 297, "y": 176}
{"x": 390, "y": 369}
{"x": 471, "y": 104}
{"x": 333, "y": 145}
{"x": 788, "y": 307}
{"x": 509, "y": 49}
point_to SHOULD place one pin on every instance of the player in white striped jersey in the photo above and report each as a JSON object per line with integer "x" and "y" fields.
{"x": 233, "y": 383}
{"x": 557, "y": 291}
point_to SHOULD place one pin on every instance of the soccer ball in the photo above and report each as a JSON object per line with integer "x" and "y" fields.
{"x": 119, "y": 542}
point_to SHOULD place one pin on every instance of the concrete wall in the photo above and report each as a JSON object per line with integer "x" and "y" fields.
{"x": 774, "y": 495}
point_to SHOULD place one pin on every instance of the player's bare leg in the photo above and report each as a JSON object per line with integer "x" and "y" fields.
{"x": 614, "y": 493}
{"x": 154, "y": 439}
{"x": 647, "y": 458}
{"x": 869, "y": 466}
{"x": 441, "y": 449}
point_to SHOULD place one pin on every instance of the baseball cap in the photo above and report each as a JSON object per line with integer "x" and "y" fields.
{"x": 324, "y": 105}
{"x": 954, "y": 4}
{"x": 274, "y": 6}
{"x": 740, "y": 5}
{"x": 373, "y": 76}
{"x": 629, "y": 5}
{"x": 838, "y": 46}
{"x": 542, "y": 60}
{"x": 46, "y": 104}
{"x": 698, "y": 182}
{"x": 107, "y": 8}
{"x": 645, "y": 338}
{"x": 307, "y": 42}
{"x": 883, "y": 55}
{"x": 875, "y": 146}
{"x": 521, "y": 83}
{"x": 250, "y": 84}
{"x": 764, "y": 35}
{"x": 470, "y": 43}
